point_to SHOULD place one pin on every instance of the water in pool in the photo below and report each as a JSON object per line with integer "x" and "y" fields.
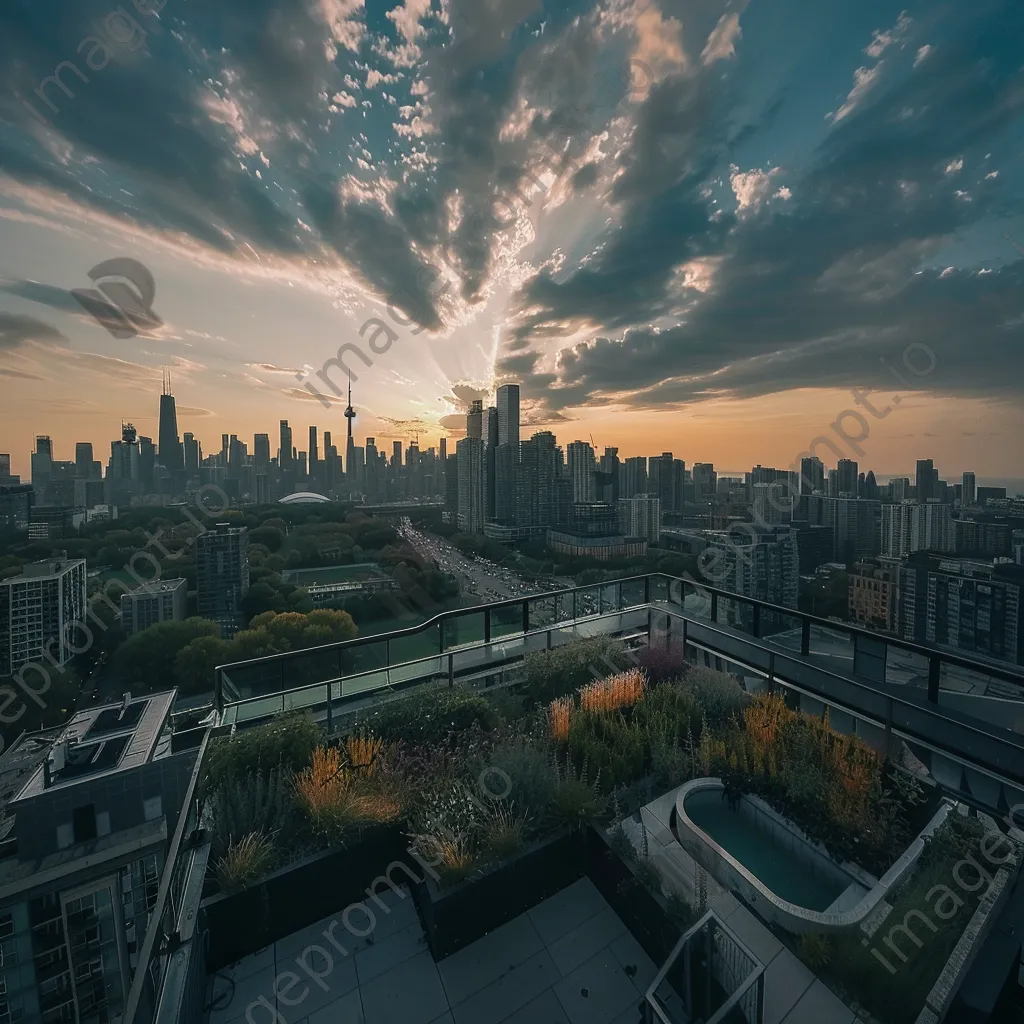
{"x": 759, "y": 852}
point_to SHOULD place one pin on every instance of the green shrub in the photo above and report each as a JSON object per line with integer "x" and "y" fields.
{"x": 679, "y": 910}
{"x": 261, "y": 802}
{"x": 504, "y": 831}
{"x": 609, "y": 744}
{"x": 246, "y": 861}
{"x": 528, "y": 768}
{"x": 286, "y": 743}
{"x": 575, "y": 799}
{"x": 430, "y": 716}
{"x": 718, "y": 694}
{"x": 647, "y": 874}
{"x": 563, "y": 670}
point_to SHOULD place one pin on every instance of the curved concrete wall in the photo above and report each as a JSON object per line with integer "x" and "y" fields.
{"x": 731, "y": 873}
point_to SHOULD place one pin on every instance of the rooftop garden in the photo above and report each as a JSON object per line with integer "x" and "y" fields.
{"x": 470, "y": 781}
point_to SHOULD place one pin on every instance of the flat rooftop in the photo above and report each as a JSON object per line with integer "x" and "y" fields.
{"x": 334, "y": 574}
{"x": 41, "y": 570}
{"x": 101, "y": 741}
{"x": 158, "y": 587}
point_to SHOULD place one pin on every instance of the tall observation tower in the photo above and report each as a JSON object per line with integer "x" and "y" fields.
{"x": 350, "y": 415}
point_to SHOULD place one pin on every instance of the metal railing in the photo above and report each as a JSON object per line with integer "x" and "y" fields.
{"x": 709, "y": 976}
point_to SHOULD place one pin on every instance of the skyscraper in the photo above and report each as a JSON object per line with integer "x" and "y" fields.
{"x": 475, "y": 420}
{"x": 847, "y": 470}
{"x": 705, "y": 482}
{"x": 470, "y": 452}
{"x": 926, "y": 477}
{"x": 83, "y": 459}
{"x": 969, "y": 490}
{"x": 812, "y": 475}
{"x": 508, "y": 415}
{"x": 537, "y": 496}
{"x": 608, "y": 476}
{"x": 192, "y": 453}
{"x": 314, "y": 456}
{"x": 580, "y": 458}
{"x": 222, "y": 575}
{"x": 634, "y": 477}
{"x": 284, "y": 457}
{"x": 171, "y": 457}
{"x": 491, "y": 463}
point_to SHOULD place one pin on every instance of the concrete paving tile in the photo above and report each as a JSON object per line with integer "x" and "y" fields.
{"x": 545, "y": 1009}
{"x": 566, "y": 910}
{"x": 346, "y": 1010}
{"x": 636, "y": 964}
{"x": 819, "y": 1006}
{"x": 584, "y": 941}
{"x": 410, "y": 993}
{"x": 234, "y": 999}
{"x": 598, "y": 991}
{"x": 388, "y": 953}
{"x": 754, "y": 935}
{"x": 786, "y": 979}
{"x": 510, "y": 993}
{"x": 486, "y": 960}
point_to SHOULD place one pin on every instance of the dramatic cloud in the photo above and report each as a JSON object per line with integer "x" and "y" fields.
{"x": 16, "y": 330}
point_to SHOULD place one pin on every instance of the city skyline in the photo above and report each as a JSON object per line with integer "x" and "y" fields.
{"x": 755, "y": 212}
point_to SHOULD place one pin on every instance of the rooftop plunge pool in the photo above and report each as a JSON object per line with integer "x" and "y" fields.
{"x": 787, "y": 878}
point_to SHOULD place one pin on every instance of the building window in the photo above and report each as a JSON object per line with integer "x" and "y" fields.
{"x": 83, "y": 821}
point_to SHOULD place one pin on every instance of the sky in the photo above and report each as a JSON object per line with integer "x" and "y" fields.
{"x": 719, "y": 229}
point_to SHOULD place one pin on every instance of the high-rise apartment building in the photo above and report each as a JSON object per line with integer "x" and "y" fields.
{"x": 470, "y": 454}
{"x": 640, "y": 516}
{"x": 508, "y": 415}
{"x": 152, "y": 603}
{"x": 855, "y": 525}
{"x": 968, "y": 489}
{"x": 847, "y": 470}
{"x": 192, "y": 455}
{"x": 911, "y": 526}
{"x": 539, "y": 499}
{"x": 899, "y": 488}
{"x": 976, "y": 607}
{"x": 665, "y": 478}
{"x": 39, "y": 610}
{"x": 812, "y": 475}
{"x": 222, "y": 575}
{"x": 927, "y": 477}
{"x": 762, "y": 563}
{"x": 284, "y": 456}
{"x": 475, "y": 421}
{"x": 634, "y": 477}
{"x": 491, "y": 434}
{"x": 83, "y": 460}
{"x": 772, "y": 504}
{"x": 705, "y": 482}
{"x": 582, "y": 465}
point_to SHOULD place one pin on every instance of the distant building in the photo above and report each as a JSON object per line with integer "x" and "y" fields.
{"x": 633, "y": 479}
{"x": 873, "y": 591}
{"x": 982, "y": 540}
{"x": 222, "y": 575}
{"x": 759, "y": 563}
{"x": 333, "y": 584}
{"x": 582, "y": 465}
{"x": 975, "y": 607}
{"x": 603, "y": 548}
{"x": 470, "y": 453}
{"x": 16, "y": 502}
{"x": 969, "y": 490}
{"x": 640, "y": 516}
{"x": 90, "y": 811}
{"x": 772, "y": 504}
{"x": 151, "y": 603}
{"x": 987, "y": 494}
{"x": 911, "y": 526}
{"x": 38, "y": 613}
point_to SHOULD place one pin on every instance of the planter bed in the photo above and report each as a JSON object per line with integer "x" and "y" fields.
{"x": 292, "y": 898}
{"x": 457, "y": 915}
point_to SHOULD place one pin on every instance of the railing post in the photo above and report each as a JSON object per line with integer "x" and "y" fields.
{"x": 756, "y": 622}
{"x": 647, "y": 590}
{"x": 330, "y": 686}
{"x": 487, "y": 625}
{"x": 451, "y": 670}
{"x": 549, "y": 640}
{"x": 526, "y": 616}
{"x": 683, "y": 620}
{"x": 714, "y": 607}
{"x": 805, "y": 637}
{"x": 934, "y": 673}
{"x": 771, "y": 672}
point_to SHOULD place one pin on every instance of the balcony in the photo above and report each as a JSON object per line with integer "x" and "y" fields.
{"x": 958, "y": 720}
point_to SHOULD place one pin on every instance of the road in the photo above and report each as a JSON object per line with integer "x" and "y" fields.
{"x": 478, "y": 577}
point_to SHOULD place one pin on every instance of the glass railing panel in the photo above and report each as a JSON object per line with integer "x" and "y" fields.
{"x": 306, "y": 697}
{"x": 832, "y": 649}
{"x": 660, "y": 586}
{"x": 506, "y": 621}
{"x": 467, "y": 628}
{"x": 975, "y": 692}
{"x": 906, "y": 669}
{"x": 368, "y": 657}
{"x": 304, "y": 668}
{"x": 365, "y": 682}
{"x": 424, "y": 670}
{"x": 610, "y": 598}
{"x": 542, "y": 612}
{"x": 632, "y": 593}
{"x": 564, "y": 608}
{"x": 694, "y": 601}
{"x": 588, "y": 601}
{"x": 421, "y": 644}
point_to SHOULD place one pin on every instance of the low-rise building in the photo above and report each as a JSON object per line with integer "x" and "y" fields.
{"x": 873, "y": 591}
